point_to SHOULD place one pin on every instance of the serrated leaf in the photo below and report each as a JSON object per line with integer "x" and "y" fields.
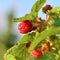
{"x": 43, "y": 35}
{"x": 37, "y": 6}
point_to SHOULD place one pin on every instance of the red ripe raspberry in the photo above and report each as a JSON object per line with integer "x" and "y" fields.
{"x": 46, "y": 8}
{"x": 36, "y": 53}
{"x": 25, "y": 26}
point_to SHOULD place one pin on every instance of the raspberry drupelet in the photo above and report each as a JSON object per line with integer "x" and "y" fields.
{"x": 25, "y": 26}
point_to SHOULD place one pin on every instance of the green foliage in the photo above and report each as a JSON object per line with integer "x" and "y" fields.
{"x": 56, "y": 44}
{"x": 10, "y": 57}
{"x": 56, "y": 21}
{"x": 30, "y": 16}
{"x": 55, "y": 16}
{"x": 48, "y": 56}
{"x": 43, "y": 35}
{"x": 20, "y": 52}
{"x": 34, "y": 12}
{"x": 37, "y": 6}
{"x": 26, "y": 38}
{"x": 54, "y": 12}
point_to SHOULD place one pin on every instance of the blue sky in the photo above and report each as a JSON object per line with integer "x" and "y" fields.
{"x": 21, "y": 7}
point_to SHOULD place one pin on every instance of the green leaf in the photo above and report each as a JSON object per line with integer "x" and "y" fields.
{"x": 27, "y": 37}
{"x": 48, "y": 56}
{"x": 19, "y": 50}
{"x": 37, "y": 6}
{"x": 54, "y": 12}
{"x": 43, "y": 35}
{"x": 58, "y": 56}
{"x": 24, "y": 39}
{"x": 10, "y": 57}
{"x": 56, "y": 43}
{"x": 30, "y": 16}
{"x": 56, "y": 21}
{"x": 20, "y": 53}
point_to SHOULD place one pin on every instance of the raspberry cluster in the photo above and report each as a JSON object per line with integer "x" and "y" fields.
{"x": 36, "y": 53}
{"x": 27, "y": 26}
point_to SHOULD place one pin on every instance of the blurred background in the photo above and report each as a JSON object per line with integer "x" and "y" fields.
{"x": 9, "y": 9}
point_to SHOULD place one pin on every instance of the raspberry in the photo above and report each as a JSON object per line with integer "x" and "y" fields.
{"x": 44, "y": 47}
{"x": 46, "y": 8}
{"x": 36, "y": 53}
{"x": 25, "y": 26}
{"x": 28, "y": 44}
